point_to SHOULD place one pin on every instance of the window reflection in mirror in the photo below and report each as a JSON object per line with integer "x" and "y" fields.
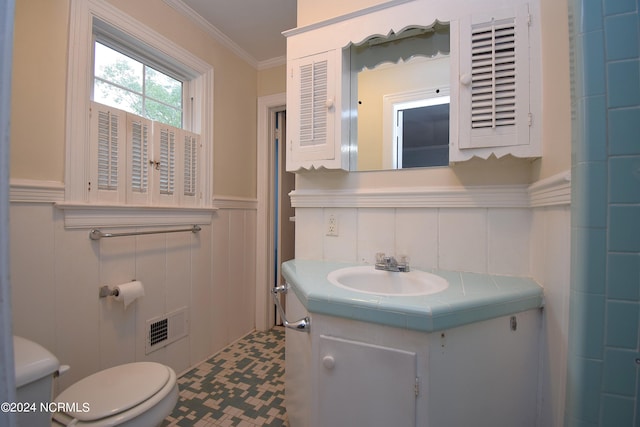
{"x": 421, "y": 133}
{"x": 407, "y": 69}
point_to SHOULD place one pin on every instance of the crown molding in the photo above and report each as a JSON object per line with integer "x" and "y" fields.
{"x": 273, "y": 62}
{"x": 345, "y": 17}
{"x": 215, "y": 33}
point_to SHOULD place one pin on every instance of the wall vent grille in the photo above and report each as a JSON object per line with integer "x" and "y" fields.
{"x": 162, "y": 331}
{"x": 158, "y": 331}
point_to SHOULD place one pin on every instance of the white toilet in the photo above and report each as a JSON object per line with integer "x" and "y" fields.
{"x": 135, "y": 394}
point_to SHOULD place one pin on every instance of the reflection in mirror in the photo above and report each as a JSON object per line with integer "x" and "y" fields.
{"x": 400, "y": 91}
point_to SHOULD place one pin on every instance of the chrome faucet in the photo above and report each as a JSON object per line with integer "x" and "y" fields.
{"x": 389, "y": 263}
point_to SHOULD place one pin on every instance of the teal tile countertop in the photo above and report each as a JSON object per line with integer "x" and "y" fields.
{"x": 470, "y": 297}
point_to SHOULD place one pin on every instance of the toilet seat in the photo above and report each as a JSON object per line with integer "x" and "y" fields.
{"x": 116, "y": 395}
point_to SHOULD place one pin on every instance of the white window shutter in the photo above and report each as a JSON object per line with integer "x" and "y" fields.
{"x": 164, "y": 173}
{"x": 494, "y": 67}
{"x": 139, "y": 133}
{"x": 190, "y": 161}
{"x": 167, "y": 161}
{"x": 108, "y": 147}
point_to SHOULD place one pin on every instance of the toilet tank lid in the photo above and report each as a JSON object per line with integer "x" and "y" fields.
{"x": 32, "y": 361}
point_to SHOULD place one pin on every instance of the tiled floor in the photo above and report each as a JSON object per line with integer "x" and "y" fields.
{"x": 242, "y": 385}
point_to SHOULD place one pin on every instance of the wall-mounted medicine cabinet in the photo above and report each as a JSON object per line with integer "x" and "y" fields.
{"x": 414, "y": 84}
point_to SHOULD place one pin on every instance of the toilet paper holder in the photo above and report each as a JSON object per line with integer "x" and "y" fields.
{"x": 106, "y": 291}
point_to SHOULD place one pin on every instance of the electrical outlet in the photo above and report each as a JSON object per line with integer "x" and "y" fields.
{"x": 332, "y": 225}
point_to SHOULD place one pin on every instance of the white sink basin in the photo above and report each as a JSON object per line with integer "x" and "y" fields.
{"x": 368, "y": 280}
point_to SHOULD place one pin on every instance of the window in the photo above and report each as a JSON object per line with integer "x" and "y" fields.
{"x": 126, "y": 83}
{"x": 139, "y": 152}
{"x": 139, "y": 132}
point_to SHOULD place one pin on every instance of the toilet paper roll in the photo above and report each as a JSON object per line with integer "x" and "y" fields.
{"x": 129, "y": 292}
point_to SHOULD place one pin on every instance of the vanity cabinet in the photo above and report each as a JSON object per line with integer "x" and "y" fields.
{"x": 495, "y": 81}
{"x": 346, "y": 372}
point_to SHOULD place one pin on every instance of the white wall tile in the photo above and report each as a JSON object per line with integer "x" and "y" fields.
{"x": 309, "y": 233}
{"x": 249, "y": 279}
{"x": 150, "y": 269}
{"x": 238, "y": 299}
{"x": 117, "y": 324}
{"x": 33, "y": 285}
{"x": 462, "y": 235}
{"x": 342, "y": 247}
{"x": 205, "y": 322}
{"x": 77, "y": 316}
{"x": 221, "y": 289}
{"x": 508, "y": 234}
{"x": 376, "y": 233}
{"x": 536, "y": 259}
{"x": 417, "y": 236}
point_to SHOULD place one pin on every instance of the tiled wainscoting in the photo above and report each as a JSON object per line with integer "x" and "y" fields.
{"x": 56, "y": 272}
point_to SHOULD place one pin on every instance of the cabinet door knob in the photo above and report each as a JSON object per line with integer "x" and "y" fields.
{"x": 329, "y": 362}
{"x": 465, "y": 79}
{"x": 329, "y": 103}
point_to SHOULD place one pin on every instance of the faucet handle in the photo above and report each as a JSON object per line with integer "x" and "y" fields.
{"x": 380, "y": 256}
{"x": 404, "y": 262}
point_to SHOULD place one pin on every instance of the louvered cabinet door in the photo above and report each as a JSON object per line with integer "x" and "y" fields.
{"x": 108, "y": 154}
{"x": 495, "y": 85}
{"x": 313, "y": 112}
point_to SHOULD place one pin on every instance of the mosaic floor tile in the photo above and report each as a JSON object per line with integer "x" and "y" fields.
{"x": 242, "y": 385}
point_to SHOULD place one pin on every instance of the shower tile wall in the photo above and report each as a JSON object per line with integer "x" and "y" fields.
{"x": 602, "y": 385}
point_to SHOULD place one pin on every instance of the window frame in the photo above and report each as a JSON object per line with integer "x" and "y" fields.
{"x": 199, "y": 109}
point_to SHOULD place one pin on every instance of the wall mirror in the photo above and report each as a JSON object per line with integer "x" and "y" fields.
{"x": 400, "y": 99}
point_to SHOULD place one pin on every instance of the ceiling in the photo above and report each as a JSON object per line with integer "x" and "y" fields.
{"x": 252, "y": 28}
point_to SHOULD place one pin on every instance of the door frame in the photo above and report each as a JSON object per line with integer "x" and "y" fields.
{"x": 265, "y": 309}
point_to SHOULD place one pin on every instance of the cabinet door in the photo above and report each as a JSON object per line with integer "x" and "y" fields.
{"x": 361, "y": 384}
{"x": 495, "y": 86}
{"x": 312, "y": 111}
